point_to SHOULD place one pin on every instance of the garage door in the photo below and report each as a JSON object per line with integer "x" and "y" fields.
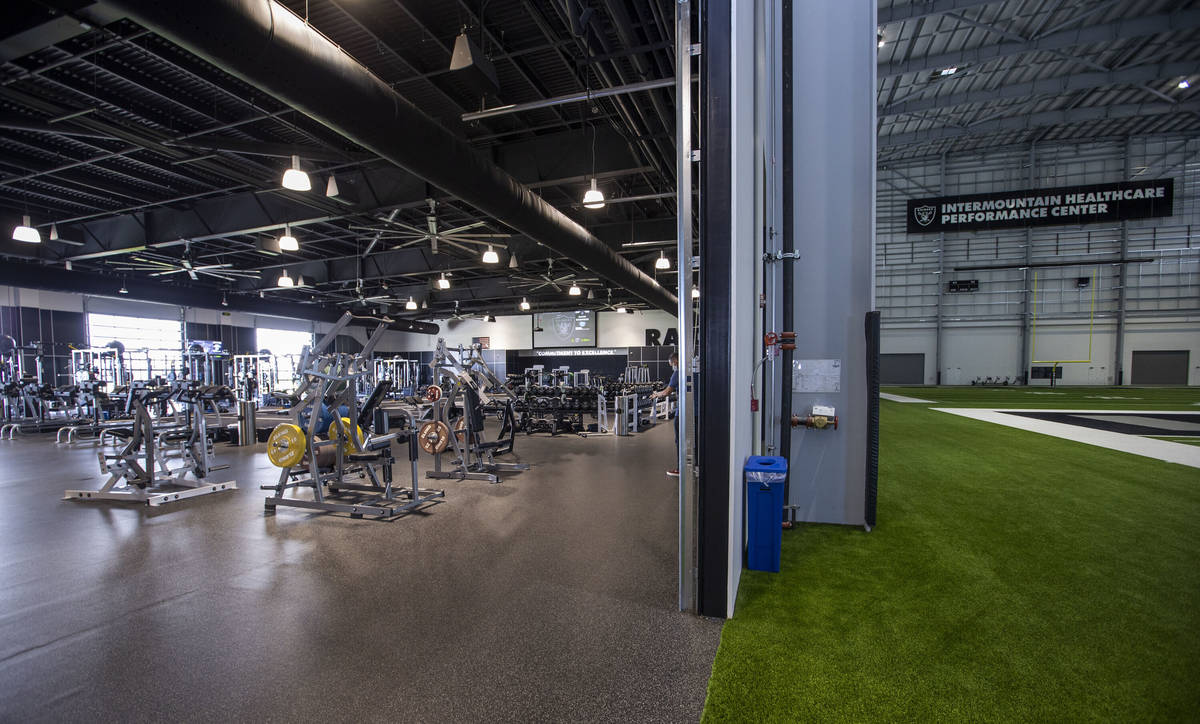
{"x": 1160, "y": 367}
{"x": 902, "y": 369}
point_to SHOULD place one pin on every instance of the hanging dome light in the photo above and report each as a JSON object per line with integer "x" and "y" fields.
{"x": 512, "y": 261}
{"x": 490, "y": 256}
{"x": 695, "y": 292}
{"x": 574, "y": 290}
{"x": 284, "y": 280}
{"x": 524, "y": 304}
{"x": 287, "y": 242}
{"x": 443, "y": 282}
{"x": 593, "y": 198}
{"x": 295, "y": 178}
{"x": 25, "y": 232}
{"x": 662, "y": 262}
{"x": 122, "y": 290}
{"x": 424, "y": 305}
{"x": 411, "y": 304}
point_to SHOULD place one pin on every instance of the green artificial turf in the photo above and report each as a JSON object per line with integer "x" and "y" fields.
{"x": 1041, "y": 397}
{"x": 1011, "y": 577}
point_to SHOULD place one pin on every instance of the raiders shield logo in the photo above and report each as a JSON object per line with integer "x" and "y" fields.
{"x": 564, "y": 324}
{"x": 924, "y": 214}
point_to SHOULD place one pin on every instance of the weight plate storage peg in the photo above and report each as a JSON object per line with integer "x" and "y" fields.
{"x": 434, "y": 437}
{"x": 433, "y": 393}
{"x": 347, "y": 445}
{"x": 286, "y": 445}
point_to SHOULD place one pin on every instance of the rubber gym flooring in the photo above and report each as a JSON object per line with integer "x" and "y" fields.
{"x": 547, "y": 597}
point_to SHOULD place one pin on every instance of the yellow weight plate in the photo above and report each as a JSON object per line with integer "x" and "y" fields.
{"x": 286, "y": 445}
{"x": 434, "y": 437}
{"x": 347, "y": 446}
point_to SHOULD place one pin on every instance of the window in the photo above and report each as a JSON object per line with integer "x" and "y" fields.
{"x": 285, "y": 345}
{"x": 152, "y": 346}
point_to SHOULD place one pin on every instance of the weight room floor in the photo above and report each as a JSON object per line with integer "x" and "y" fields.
{"x": 547, "y": 597}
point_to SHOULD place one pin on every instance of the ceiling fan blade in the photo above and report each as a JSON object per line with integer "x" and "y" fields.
{"x": 457, "y": 229}
{"x": 193, "y": 274}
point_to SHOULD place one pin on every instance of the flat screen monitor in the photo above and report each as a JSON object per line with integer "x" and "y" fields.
{"x": 564, "y": 329}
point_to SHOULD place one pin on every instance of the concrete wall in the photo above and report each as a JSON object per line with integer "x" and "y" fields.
{"x": 974, "y": 350}
{"x": 982, "y": 330}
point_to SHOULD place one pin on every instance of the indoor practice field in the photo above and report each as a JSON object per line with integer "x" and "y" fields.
{"x": 1012, "y": 577}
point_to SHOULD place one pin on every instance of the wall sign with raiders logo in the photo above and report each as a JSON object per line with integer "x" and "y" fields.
{"x": 1066, "y": 205}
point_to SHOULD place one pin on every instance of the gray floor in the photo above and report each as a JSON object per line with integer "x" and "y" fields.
{"x": 548, "y": 597}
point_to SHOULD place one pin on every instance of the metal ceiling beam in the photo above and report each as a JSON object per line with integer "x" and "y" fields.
{"x": 918, "y": 9}
{"x": 1041, "y": 120}
{"x": 304, "y": 69}
{"x": 1046, "y": 86}
{"x": 34, "y": 276}
{"x": 1105, "y": 32}
{"x": 569, "y": 98}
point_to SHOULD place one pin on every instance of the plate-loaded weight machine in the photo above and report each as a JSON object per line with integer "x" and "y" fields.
{"x": 142, "y": 471}
{"x": 468, "y": 378}
{"x": 322, "y": 447}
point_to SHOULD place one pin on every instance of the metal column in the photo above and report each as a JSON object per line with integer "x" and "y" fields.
{"x": 688, "y": 526}
{"x": 1027, "y": 308}
{"x": 1119, "y": 346}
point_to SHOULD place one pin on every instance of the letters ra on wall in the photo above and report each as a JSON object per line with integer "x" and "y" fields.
{"x": 1065, "y": 205}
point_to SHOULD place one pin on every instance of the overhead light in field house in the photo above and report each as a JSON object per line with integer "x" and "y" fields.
{"x": 287, "y": 242}
{"x": 284, "y": 280}
{"x": 574, "y": 290}
{"x": 411, "y": 304}
{"x": 662, "y": 262}
{"x": 295, "y": 178}
{"x": 490, "y": 256}
{"x": 443, "y": 282}
{"x": 593, "y": 198}
{"x": 25, "y": 232}
{"x": 524, "y": 304}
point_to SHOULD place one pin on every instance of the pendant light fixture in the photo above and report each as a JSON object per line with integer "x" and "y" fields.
{"x": 443, "y": 282}
{"x": 411, "y": 305}
{"x": 512, "y": 261}
{"x": 490, "y": 256}
{"x": 574, "y": 290}
{"x": 524, "y": 304}
{"x": 26, "y": 233}
{"x": 695, "y": 292}
{"x": 424, "y": 305}
{"x": 662, "y": 262}
{"x": 54, "y": 232}
{"x": 620, "y": 310}
{"x": 295, "y": 178}
{"x": 287, "y": 242}
{"x": 284, "y": 280}
{"x": 591, "y": 294}
{"x": 593, "y": 198}
{"x": 122, "y": 290}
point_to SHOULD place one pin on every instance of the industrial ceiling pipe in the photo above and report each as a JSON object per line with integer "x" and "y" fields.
{"x": 269, "y": 47}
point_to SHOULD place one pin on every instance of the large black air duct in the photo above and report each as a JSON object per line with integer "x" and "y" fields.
{"x": 269, "y": 47}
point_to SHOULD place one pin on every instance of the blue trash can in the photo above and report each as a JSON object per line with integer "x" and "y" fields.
{"x": 765, "y": 477}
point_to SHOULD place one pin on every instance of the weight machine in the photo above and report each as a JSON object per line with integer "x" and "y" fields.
{"x": 468, "y": 376}
{"x": 307, "y": 460}
{"x": 142, "y": 471}
{"x": 402, "y": 372}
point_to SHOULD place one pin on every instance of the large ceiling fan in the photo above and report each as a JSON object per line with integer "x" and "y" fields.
{"x": 460, "y": 237}
{"x": 534, "y": 281}
{"x": 161, "y": 265}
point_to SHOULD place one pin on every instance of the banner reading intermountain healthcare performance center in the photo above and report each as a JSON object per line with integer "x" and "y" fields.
{"x": 1043, "y": 207}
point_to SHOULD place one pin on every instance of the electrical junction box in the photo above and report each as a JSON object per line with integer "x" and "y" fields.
{"x": 822, "y": 411}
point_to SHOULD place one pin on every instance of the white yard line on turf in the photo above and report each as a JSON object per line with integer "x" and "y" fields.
{"x": 902, "y": 398}
{"x": 1172, "y": 452}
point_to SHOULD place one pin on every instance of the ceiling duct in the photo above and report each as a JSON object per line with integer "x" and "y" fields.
{"x": 269, "y": 47}
{"x": 470, "y": 65}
